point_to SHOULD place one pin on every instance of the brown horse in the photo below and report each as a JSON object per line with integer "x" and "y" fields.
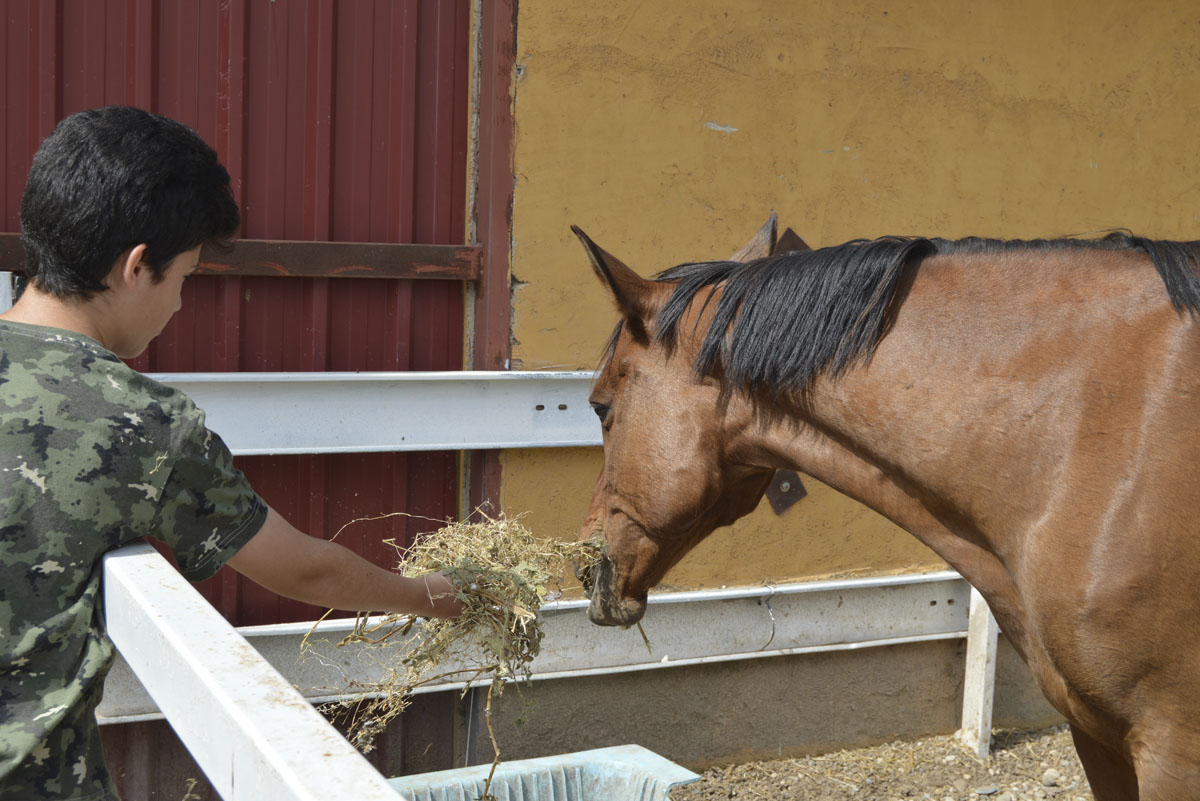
{"x": 1028, "y": 409}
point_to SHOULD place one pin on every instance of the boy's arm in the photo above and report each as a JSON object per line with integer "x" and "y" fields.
{"x": 288, "y": 562}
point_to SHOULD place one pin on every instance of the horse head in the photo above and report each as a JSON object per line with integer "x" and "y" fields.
{"x": 673, "y": 471}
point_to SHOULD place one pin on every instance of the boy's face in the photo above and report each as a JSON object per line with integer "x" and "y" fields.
{"x": 152, "y": 304}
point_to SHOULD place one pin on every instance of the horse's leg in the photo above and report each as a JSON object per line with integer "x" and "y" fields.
{"x": 1166, "y": 767}
{"x": 1111, "y": 777}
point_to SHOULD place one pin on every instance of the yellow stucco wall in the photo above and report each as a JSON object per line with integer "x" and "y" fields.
{"x": 670, "y": 130}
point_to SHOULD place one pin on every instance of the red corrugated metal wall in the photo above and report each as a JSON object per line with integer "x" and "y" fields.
{"x": 338, "y": 121}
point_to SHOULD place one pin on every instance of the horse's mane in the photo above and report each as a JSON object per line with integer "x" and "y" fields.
{"x": 782, "y": 321}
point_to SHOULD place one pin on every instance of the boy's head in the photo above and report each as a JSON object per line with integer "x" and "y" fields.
{"x": 108, "y": 179}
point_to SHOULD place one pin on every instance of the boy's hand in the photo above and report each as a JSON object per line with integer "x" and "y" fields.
{"x": 441, "y": 596}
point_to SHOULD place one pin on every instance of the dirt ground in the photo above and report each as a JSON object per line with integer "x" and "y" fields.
{"x": 1024, "y": 766}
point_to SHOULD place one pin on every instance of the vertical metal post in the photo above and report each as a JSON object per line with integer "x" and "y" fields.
{"x": 491, "y": 219}
{"x": 980, "y": 680}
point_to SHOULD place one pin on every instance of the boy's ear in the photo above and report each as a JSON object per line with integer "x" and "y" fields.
{"x": 128, "y": 267}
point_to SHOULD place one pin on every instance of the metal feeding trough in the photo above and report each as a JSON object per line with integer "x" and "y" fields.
{"x": 620, "y": 773}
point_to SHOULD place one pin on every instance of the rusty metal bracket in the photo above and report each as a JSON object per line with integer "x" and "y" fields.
{"x": 785, "y": 489}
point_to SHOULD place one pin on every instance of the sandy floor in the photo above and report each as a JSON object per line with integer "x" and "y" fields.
{"x": 1024, "y": 766}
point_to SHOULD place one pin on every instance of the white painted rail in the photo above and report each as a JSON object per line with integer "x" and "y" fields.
{"x": 254, "y": 736}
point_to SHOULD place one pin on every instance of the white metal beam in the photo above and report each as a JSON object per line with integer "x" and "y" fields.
{"x": 739, "y": 623}
{"x": 278, "y": 413}
{"x": 248, "y": 729}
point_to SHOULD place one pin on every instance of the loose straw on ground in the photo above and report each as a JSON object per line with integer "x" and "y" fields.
{"x": 503, "y": 575}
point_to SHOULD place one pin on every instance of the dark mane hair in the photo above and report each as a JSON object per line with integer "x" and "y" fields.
{"x": 782, "y": 321}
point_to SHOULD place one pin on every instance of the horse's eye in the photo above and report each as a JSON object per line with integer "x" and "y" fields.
{"x": 600, "y": 409}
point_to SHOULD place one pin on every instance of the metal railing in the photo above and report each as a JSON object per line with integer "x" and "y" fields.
{"x": 307, "y": 413}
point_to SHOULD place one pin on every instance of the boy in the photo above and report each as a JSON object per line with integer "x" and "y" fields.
{"x": 94, "y": 455}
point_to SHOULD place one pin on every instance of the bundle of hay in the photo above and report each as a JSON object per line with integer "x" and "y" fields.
{"x": 503, "y": 575}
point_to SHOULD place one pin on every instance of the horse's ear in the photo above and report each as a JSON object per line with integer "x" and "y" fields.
{"x": 630, "y": 290}
{"x": 762, "y": 244}
{"x": 789, "y": 242}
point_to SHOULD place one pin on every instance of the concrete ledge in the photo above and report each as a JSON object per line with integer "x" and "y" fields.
{"x": 734, "y": 712}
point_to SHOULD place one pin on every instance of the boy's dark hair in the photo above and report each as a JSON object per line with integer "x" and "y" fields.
{"x": 108, "y": 179}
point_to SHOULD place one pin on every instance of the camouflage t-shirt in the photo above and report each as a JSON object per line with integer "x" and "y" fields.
{"x": 93, "y": 455}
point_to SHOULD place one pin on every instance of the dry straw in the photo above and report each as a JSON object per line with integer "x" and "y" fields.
{"x": 503, "y": 575}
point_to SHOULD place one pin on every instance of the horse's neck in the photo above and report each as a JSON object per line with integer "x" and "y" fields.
{"x": 859, "y": 461}
{"x": 991, "y": 390}
{"x": 915, "y": 430}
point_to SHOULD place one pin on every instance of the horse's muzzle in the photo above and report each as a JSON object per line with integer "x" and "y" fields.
{"x": 605, "y": 607}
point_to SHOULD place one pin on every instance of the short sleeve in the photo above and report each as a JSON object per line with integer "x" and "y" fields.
{"x": 208, "y": 509}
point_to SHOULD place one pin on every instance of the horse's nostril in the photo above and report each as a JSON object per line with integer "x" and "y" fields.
{"x": 586, "y": 576}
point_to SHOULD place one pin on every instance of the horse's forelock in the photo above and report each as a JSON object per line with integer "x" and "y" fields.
{"x": 610, "y": 347}
{"x": 778, "y": 322}
{"x": 689, "y": 280}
